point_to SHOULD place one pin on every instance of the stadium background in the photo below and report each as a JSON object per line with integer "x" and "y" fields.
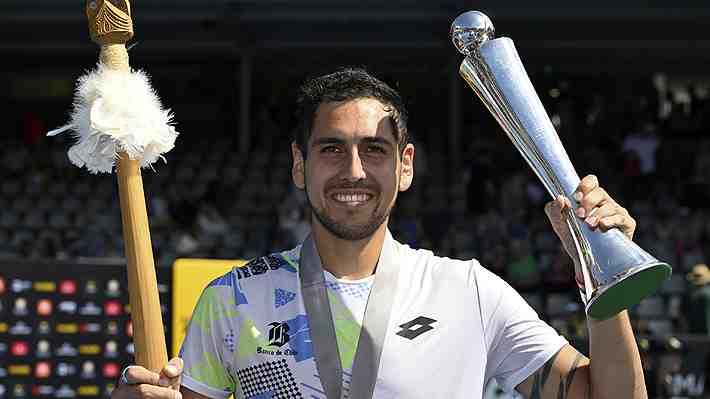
{"x": 627, "y": 87}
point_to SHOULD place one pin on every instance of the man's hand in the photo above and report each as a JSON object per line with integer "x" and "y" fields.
{"x": 596, "y": 208}
{"x": 143, "y": 383}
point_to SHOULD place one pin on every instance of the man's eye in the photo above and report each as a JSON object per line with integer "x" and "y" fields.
{"x": 329, "y": 148}
{"x": 376, "y": 149}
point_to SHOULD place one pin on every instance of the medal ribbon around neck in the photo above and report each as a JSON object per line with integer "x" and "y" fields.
{"x": 366, "y": 363}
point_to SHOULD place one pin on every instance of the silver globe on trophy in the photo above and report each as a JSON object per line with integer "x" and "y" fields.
{"x": 617, "y": 273}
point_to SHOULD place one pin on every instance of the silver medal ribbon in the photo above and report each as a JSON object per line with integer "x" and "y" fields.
{"x": 374, "y": 325}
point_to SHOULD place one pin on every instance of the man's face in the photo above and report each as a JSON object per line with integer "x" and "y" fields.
{"x": 353, "y": 171}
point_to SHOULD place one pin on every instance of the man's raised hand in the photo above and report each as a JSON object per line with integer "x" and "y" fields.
{"x": 596, "y": 208}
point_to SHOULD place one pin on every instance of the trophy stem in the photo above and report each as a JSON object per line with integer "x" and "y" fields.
{"x": 472, "y": 69}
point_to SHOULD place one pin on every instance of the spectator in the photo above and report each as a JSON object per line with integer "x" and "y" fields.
{"x": 696, "y": 305}
{"x": 642, "y": 146}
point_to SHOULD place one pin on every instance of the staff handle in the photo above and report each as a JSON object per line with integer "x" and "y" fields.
{"x": 111, "y": 26}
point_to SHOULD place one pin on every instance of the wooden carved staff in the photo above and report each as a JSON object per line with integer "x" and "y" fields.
{"x": 119, "y": 122}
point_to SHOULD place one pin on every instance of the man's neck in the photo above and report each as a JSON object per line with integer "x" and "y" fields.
{"x": 346, "y": 259}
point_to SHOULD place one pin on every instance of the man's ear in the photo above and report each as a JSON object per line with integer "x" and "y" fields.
{"x": 407, "y": 168}
{"x": 298, "y": 171}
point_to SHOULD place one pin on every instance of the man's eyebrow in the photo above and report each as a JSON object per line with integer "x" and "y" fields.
{"x": 377, "y": 140}
{"x": 328, "y": 140}
{"x": 337, "y": 140}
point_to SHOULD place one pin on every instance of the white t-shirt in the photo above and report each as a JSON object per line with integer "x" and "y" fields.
{"x": 454, "y": 326}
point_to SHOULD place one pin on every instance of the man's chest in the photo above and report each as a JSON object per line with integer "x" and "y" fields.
{"x": 431, "y": 349}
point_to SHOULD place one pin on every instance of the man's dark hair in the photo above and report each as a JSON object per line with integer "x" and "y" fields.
{"x": 344, "y": 85}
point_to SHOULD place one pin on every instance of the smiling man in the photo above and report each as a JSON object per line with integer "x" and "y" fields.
{"x": 353, "y": 313}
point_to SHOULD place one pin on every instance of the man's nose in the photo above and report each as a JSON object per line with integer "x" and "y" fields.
{"x": 356, "y": 169}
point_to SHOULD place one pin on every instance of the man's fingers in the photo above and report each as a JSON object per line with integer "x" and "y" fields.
{"x": 550, "y": 208}
{"x": 146, "y": 391}
{"x": 141, "y": 375}
{"x": 557, "y": 206}
{"x": 170, "y": 375}
{"x": 622, "y": 221}
{"x": 174, "y": 368}
{"x": 565, "y": 202}
{"x": 592, "y": 218}
{"x": 594, "y": 199}
{"x": 588, "y": 183}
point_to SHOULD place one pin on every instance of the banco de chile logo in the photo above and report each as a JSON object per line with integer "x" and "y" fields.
{"x": 278, "y": 334}
{"x": 278, "y": 337}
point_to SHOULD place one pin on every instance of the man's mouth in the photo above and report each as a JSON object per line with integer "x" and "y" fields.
{"x": 351, "y": 199}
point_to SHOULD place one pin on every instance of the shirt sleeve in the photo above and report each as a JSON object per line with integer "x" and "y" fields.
{"x": 209, "y": 343}
{"x": 518, "y": 342}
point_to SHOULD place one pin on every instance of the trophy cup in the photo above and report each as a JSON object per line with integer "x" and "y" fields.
{"x": 616, "y": 272}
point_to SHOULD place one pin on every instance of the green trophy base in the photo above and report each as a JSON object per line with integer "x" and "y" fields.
{"x": 629, "y": 290}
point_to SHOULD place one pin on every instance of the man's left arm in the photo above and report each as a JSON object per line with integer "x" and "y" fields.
{"x": 614, "y": 368}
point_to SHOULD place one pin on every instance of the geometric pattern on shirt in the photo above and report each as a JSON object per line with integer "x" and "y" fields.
{"x": 359, "y": 291}
{"x": 282, "y": 297}
{"x": 229, "y": 341}
{"x": 262, "y": 265}
{"x": 274, "y": 378}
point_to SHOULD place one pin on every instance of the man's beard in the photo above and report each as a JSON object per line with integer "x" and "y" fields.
{"x": 349, "y": 232}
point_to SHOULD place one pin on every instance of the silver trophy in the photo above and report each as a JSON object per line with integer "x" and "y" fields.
{"x": 617, "y": 273}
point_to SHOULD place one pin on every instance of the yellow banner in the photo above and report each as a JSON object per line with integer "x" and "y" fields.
{"x": 45, "y": 286}
{"x": 88, "y": 390}
{"x": 19, "y": 369}
{"x": 89, "y": 349}
{"x": 190, "y": 277}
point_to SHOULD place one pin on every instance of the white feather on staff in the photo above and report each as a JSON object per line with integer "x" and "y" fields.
{"x": 117, "y": 111}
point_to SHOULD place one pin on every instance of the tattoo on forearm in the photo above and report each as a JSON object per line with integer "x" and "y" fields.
{"x": 540, "y": 378}
{"x": 566, "y": 381}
